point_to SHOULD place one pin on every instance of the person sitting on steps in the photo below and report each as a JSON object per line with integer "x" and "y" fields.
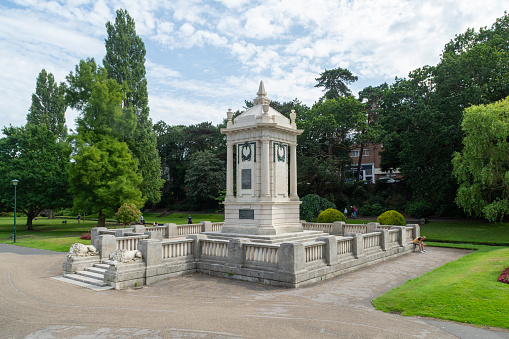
{"x": 419, "y": 241}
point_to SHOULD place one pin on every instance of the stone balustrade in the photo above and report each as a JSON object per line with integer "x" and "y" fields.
{"x": 290, "y": 264}
{"x": 217, "y": 226}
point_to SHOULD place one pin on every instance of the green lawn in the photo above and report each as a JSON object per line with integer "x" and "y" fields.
{"x": 465, "y": 290}
{"x": 53, "y": 235}
{"x": 474, "y": 232}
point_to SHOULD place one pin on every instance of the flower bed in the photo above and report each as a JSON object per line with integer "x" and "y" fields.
{"x": 504, "y": 276}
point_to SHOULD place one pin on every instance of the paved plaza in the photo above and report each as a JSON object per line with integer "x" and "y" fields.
{"x": 35, "y": 306}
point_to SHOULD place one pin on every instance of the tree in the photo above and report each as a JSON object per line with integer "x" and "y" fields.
{"x": 371, "y": 96}
{"x": 323, "y": 148}
{"x": 335, "y": 81}
{"x": 482, "y": 167}
{"x": 205, "y": 177}
{"x": 125, "y": 62}
{"x": 127, "y": 213}
{"x": 33, "y": 155}
{"x": 48, "y": 105}
{"x": 102, "y": 175}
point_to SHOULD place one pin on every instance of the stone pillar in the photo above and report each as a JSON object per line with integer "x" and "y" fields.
{"x": 265, "y": 175}
{"x": 207, "y": 226}
{"x": 293, "y": 172}
{"x": 120, "y": 232}
{"x": 94, "y": 235}
{"x": 384, "y": 240}
{"x": 417, "y": 230}
{"x": 338, "y": 228}
{"x": 291, "y": 257}
{"x": 401, "y": 234}
{"x": 331, "y": 249}
{"x": 138, "y": 229}
{"x": 236, "y": 255}
{"x": 151, "y": 251}
{"x": 196, "y": 247}
{"x": 106, "y": 245}
{"x": 371, "y": 226}
{"x": 229, "y": 171}
{"x": 154, "y": 235}
{"x": 358, "y": 244}
{"x": 172, "y": 230}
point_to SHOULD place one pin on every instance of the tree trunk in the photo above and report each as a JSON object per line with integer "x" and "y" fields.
{"x": 30, "y": 216}
{"x": 102, "y": 220}
{"x": 359, "y": 163}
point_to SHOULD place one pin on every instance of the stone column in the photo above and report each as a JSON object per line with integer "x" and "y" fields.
{"x": 384, "y": 240}
{"x": 151, "y": 251}
{"x": 265, "y": 175}
{"x": 94, "y": 235}
{"x": 196, "y": 246}
{"x": 358, "y": 243}
{"x": 229, "y": 171}
{"x": 236, "y": 251}
{"x": 172, "y": 230}
{"x": 207, "y": 226}
{"x": 291, "y": 257}
{"x": 293, "y": 172}
{"x": 106, "y": 245}
{"x": 331, "y": 249}
{"x": 338, "y": 228}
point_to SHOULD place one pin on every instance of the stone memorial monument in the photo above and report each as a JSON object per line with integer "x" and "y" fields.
{"x": 261, "y": 155}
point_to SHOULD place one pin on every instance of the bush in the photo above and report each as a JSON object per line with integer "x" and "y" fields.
{"x": 419, "y": 209}
{"x": 374, "y": 209}
{"x": 330, "y": 215}
{"x": 127, "y": 213}
{"x": 312, "y": 205}
{"x": 391, "y": 218}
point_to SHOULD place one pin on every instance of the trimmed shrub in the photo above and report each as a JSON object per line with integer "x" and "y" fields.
{"x": 312, "y": 205}
{"x": 330, "y": 215}
{"x": 391, "y": 218}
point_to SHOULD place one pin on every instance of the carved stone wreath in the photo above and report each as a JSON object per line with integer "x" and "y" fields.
{"x": 246, "y": 152}
{"x": 281, "y": 152}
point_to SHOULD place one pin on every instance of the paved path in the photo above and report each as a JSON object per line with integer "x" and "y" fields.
{"x": 35, "y": 306}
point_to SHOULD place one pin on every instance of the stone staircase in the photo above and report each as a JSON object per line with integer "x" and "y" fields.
{"x": 90, "y": 277}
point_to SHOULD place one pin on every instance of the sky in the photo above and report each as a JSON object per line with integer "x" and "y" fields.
{"x": 204, "y": 57}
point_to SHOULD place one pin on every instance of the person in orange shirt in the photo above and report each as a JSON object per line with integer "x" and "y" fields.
{"x": 419, "y": 241}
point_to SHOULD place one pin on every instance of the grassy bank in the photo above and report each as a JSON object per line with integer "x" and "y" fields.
{"x": 473, "y": 232}
{"x": 465, "y": 290}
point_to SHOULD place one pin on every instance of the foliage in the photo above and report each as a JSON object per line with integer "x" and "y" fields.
{"x": 335, "y": 83}
{"x": 419, "y": 209}
{"x": 323, "y": 148}
{"x": 102, "y": 174}
{"x": 48, "y": 105}
{"x": 330, "y": 215}
{"x": 176, "y": 145}
{"x": 372, "y": 209}
{"x": 457, "y": 291}
{"x": 312, "y": 205}
{"x": 33, "y": 155}
{"x": 482, "y": 166}
{"x": 127, "y": 213}
{"x": 125, "y": 63}
{"x": 422, "y": 115}
{"x": 205, "y": 177}
{"x": 391, "y": 218}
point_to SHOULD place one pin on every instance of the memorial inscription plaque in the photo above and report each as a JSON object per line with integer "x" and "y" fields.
{"x": 246, "y": 214}
{"x": 246, "y": 179}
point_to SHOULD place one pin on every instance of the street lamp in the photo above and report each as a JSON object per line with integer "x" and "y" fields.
{"x": 15, "y": 182}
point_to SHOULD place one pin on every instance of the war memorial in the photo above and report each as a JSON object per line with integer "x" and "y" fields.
{"x": 262, "y": 238}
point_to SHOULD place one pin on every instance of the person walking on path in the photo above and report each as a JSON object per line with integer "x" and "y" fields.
{"x": 419, "y": 241}
{"x": 189, "y": 219}
{"x": 354, "y": 211}
{"x": 79, "y": 218}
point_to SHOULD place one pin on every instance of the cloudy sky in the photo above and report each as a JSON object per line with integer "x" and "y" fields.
{"x": 204, "y": 57}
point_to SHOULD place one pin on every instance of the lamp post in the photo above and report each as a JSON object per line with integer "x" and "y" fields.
{"x": 15, "y": 182}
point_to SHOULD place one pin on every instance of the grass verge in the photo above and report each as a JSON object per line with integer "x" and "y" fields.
{"x": 465, "y": 290}
{"x": 475, "y": 232}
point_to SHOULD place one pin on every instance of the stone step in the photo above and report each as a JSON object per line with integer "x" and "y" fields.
{"x": 94, "y": 269}
{"x": 90, "y": 274}
{"x": 85, "y": 279}
{"x": 82, "y": 284}
{"x": 103, "y": 266}
{"x": 306, "y": 236}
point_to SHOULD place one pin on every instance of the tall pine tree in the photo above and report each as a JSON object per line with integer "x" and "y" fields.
{"x": 125, "y": 62}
